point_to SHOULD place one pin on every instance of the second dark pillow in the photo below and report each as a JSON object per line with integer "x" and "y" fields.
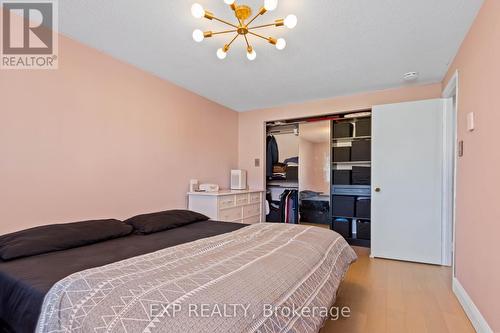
{"x": 154, "y": 222}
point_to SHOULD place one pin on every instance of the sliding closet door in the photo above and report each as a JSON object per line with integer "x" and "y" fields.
{"x": 407, "y": 178}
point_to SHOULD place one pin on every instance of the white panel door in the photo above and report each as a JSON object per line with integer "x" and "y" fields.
{"x": 407, "y": 179}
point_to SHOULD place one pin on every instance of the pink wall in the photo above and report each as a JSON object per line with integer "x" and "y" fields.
{"x": 478, "y": 211}
{"x": 99, "y": 138}
{"x": 251, "y": 124}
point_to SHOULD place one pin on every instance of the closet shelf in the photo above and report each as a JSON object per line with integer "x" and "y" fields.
{"x": 282, "y": 184}
{"x": 351, "y": 217}
{"x": 352, "y": 138}
{"x": 352, "y": 162}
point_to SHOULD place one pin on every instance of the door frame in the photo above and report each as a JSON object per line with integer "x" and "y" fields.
{"x": 450, "y": 168}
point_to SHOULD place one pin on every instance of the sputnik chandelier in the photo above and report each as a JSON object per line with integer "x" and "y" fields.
{"x": 243, "y": 28}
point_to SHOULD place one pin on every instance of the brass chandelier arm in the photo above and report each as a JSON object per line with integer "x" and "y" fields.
{"x": 257, "y": 35}
{"x": 248, "y": 44}
{"x": 225, "y": 22}
{"x": 233, "y": 7}
{"x": 232, "y": 41}
{"x": 224, "y": 32}
{"x": 262, "y": 26}
{"x": 261, "y": 12}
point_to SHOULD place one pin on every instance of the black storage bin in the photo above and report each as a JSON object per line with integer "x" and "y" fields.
{"x": 342, "y": 130}
{"x": 341, "y": 177}
{"x": 292, "y": 173}
{"x": 315, "y": 211}
{"x": 364, "y": 127}
{"x": 363, "y": 208}
{"x": 343, "y": 227}
{"x": 361, "y": 150}
{"x": 363, "y": 229}
{"x": 343, "y": 205}
{"x": 341, "y": 154}
{"x": 361, "y": 175}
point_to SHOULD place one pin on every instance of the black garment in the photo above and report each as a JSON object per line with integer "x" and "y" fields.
{"x": 272, "y": 156}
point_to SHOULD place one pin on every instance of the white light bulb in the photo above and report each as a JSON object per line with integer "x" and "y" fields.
{"x": 221, "y": 54}
{"x": 229, "y": 2}
{"x": 291, "y": 21}
{"x": 251, "y": 56}
{"x": 197, "y": 10}
{"x": 198, "y": 36}
{"x": 281, "y": 44}
{"x": 270, "y": 5}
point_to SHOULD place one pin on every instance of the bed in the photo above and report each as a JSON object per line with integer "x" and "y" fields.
{"x": 162, "y": 281}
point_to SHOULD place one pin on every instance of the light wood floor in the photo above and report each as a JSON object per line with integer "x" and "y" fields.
{"x": 394, "y": 296}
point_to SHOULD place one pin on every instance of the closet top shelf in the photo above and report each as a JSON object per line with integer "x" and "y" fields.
{"x": 282, "y": 183}
{"x": 352, "y": 138}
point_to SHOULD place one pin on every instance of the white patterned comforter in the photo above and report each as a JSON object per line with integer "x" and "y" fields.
{"x": 256, "y": 279}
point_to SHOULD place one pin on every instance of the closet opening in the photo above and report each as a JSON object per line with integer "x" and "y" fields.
{"x": 318, "y": 172}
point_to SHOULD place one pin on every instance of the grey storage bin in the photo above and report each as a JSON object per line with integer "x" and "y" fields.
{"x": 361, "y": 175}
{"x": 364, "y": 127}
{"x": 363, "y": 229}
{"x": 343, "y": 227}
{"x": 341, "y": 177}
{"x": 363, "y": 207}
{"x": 361, "y": 150}
{"x": 341, "y": 154}
{"x": 342, "y": 130}
{"x": 343, "y": 206}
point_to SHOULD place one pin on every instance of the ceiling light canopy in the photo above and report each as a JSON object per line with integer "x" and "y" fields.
{"x": 243, "y": 28}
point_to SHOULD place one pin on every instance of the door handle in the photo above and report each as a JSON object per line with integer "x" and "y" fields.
{"x": 377, "y": 189}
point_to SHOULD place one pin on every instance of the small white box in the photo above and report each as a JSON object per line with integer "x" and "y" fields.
{"x": 238, "y": 180}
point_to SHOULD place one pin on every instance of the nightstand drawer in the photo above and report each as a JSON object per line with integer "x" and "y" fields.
{"x": 241, "y": 199}
{"x": 254, "y": 197}
{"x": 251, "y": 220}
{"x": 226, "y": 201}
{"x": 231, "y": 214}
{"x": 251, "y": 210}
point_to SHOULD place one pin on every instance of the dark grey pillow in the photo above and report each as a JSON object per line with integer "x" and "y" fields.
{"x": 56, "y": 237}
{"x": 153, "y": 222}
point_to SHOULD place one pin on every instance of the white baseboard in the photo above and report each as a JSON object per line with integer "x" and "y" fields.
{"x": 477, "y": 319}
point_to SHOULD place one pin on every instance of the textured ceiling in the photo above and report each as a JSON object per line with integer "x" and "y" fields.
{"x": 339, "y": 47}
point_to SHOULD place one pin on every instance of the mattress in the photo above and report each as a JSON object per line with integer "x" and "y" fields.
{"x": 266, "y": 277}
{"x": 25, "y": 282}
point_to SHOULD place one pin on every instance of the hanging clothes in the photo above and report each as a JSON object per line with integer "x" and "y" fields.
{"x": 272, "y": 155}
{"x": 289, "y": 206}
{"x": 291, "y": 213}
